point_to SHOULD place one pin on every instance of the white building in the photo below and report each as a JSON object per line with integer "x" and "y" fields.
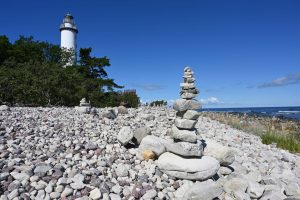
{"x": 68, "y": 32}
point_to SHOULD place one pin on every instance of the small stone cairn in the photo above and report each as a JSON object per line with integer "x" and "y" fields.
{"x": 84, "y": 106}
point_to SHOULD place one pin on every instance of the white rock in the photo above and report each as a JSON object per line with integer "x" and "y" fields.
{"x": 184, "y": 135}
{"x": 185, "y": 123}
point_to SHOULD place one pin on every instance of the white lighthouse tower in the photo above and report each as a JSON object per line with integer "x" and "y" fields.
{"x": 68, "y": 32}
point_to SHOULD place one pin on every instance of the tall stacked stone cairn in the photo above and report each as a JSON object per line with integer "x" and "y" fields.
{"x": 185, "y": 156}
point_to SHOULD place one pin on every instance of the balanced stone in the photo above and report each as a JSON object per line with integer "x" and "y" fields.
{"x": 188, "y": 168}
{"x": 184, "y": 135}
{"x": 185, "y": 148}
{"x": 185, "y": 123}
{"x": 184, "y": 105}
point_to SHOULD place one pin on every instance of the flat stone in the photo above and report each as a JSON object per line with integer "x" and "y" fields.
{"x": 207, "y": 190}
{"x": 188, "y": 168}
{"x": 187, "y": 95}
{"x": 185, "y": 148}
{"x": 140, "y": 133}
{"x": 125, "y": 135}
{"x": 183, "y": 105}
{"x": 54, "y": 195}
{"x": 185, "y": 123}
{"x": 189, "y": 114}
{"x": 83, "y": 109}
{"x": 20, "y": 176}
{"x": 184, "y": 135}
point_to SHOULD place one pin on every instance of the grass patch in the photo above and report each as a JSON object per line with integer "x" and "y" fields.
{"x": 285, "y": 142}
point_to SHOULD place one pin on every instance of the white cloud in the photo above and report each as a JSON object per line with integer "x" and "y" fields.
{"x": 211, "y": 101}
{"x": 282, "y": 81}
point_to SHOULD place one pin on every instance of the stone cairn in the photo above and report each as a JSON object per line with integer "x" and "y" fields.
{"x": 84, "y": 106}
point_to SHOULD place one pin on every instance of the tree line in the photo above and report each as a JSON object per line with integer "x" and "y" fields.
{"x": 34, "y": 73}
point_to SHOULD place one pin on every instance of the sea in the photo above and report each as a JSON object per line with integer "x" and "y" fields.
{"x": 281, "y": 112}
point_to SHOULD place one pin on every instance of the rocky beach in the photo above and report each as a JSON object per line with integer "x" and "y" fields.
{"x": 60, "y": 153}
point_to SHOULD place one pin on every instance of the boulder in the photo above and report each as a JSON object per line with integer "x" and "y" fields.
{"x": 185, "y": 123}
{"x": 122, "y": 110}
{"x": 140, "y": 133}
{"x": 207, "y": 190}
{"x": 152, "y": 143}
{"x": 183, "y": 105}
{"x": 223, "y": 154}
{"x": 111, "y": 114}
{"x": 184, "y": 135}
{"x": 83, "y": 109}
{"x": 125, "y": 135}
{"x": 188, "y": 168}
{"x": 185, "y": 148}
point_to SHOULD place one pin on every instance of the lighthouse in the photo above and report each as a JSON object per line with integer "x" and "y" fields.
{"x": 68, "y": 32}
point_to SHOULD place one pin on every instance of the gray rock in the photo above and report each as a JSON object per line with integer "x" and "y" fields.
{"x": 121, "y": 170}
{"x": 67, "y": 192}
{"x": 122, "y": 110}
{"x": 185, "y": 148}
{"x": 114, "y": 196}
{"x": 292, "y": 188}
{"x": 20, "y": 176}
{"x": 150, "y": 194}
{"x": 4, "y": 108}
{"x": 13, "y": 194}
{"x": 188, "y": 168}
{"x": 255, "y": 190}
{"x": 140, "y": 133}
{"x": 90, "y": 146}
{"x": 185, "y": 123}
{"x": 54, "y": 195}
{"x": 125, "y": 135}
{"x": 207, "y": 190}
{"x": 83, "y": 109}
{"x": 191, "y": 114}
{"x": 41, "y": 169}
{"x": 183, "y": 105}
{"x": 95, "y": 194}
{"x": 184, "y": 135}
{"x": 235, "y": 185}
{"x": 111, "y": 114}
{"x": 223, "y": 154}
{"x": 272, "y": 195}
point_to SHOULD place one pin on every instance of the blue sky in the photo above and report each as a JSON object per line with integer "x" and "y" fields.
{"x": 243, "y": 53}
